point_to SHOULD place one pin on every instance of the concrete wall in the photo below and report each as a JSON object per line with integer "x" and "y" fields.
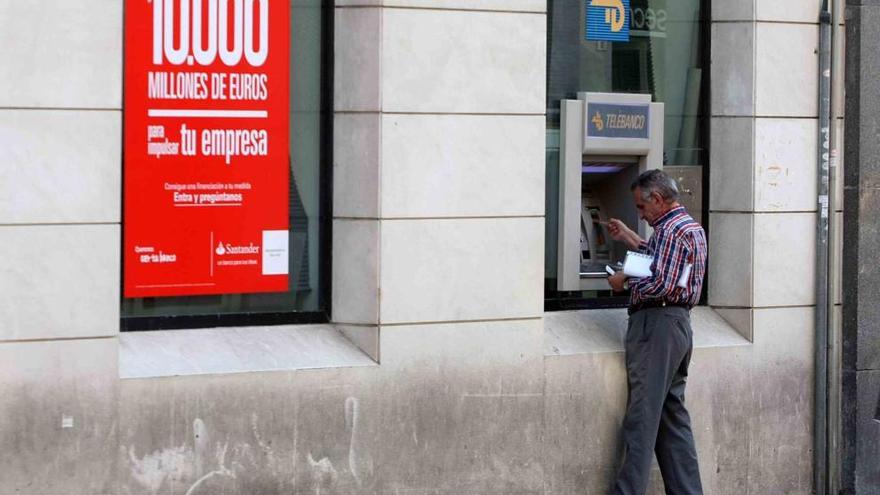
{"x": 439, "y": 186}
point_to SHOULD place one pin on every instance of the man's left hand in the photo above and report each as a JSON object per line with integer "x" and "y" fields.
{"x": 616, "y": 281}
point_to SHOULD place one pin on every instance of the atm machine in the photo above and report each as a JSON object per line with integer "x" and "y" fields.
{"x": 606, "y": 141}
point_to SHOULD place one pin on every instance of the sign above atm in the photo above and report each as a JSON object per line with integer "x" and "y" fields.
{"x": 606, "y": 120}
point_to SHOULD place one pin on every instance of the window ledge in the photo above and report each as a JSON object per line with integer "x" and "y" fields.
{"x": 236, "y": 350}
{"x": 602, "y": 330}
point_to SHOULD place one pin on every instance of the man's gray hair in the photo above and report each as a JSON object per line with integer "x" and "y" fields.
{"x": 656, "y": 181}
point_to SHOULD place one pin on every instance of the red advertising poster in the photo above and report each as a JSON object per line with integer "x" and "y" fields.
{"x": 206, "y": 147}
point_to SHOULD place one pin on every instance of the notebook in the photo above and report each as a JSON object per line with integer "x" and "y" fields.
{"x": 638, "y": 265}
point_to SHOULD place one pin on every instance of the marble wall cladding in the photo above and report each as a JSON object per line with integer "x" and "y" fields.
{"x": 784, "y": 259}
{"x": 786, "y": 164}
{"x": 583, "y": 407}
{"x": 357, "y": 66}
{"x": 461, "y": 269}
{"x": 786, "y": 70}
{"x": 488, "y": 431}
{"x": 452, "y": 165}
{"x": 448, "y": 401}
{"x": 476, "y": 399}
{"x": 364, "y": 337}
{"x": 741, "y": 319}
{"x": 733, "y": 71}
{"x": 501, "y": 5}
{"x": 248, "y": 433}
{"x": 586, "y": 395}
{"x": 731, "y": 259}
{"x": 738, "y": 10}
{"x": 504, "y": 5}
{"x": 61, "y": 54}
{"x": 733, "y": 164}
{"x": 357, "y": 145}
{"x": 59, "y": 281}
{"x": 781, "y": 393}
{"x": 787, "y": 10}
{"x": 463, "y": 62}
{"x": 60, "y": 166}
{"x": 59, "y": 424}
{"x": 355, "y": 287}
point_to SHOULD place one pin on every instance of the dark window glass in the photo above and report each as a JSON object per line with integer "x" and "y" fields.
{"x": 666, "y": 58}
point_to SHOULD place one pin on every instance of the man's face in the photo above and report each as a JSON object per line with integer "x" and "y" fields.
{"x": 650, "y": 209}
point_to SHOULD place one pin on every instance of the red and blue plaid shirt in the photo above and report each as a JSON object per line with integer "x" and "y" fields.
{"x": 677, "y": 240}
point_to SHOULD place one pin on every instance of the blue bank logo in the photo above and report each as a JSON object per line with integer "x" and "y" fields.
{"x": 607, "y": 20}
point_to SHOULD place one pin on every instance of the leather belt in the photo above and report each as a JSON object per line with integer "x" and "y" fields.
{"x": 656, "y": 304}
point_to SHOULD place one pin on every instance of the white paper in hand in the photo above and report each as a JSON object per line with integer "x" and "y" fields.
{"x": 685, "y": 276}
{"x": 637, "y": 265}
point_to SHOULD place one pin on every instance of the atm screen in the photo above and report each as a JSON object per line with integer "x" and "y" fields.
{"x": 602, "y": 167}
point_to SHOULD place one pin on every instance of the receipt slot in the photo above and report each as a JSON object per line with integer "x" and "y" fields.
{"x": 606, "y": 141}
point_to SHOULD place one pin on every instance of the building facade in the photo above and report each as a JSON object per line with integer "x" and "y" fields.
{"x": 425, "y": 349}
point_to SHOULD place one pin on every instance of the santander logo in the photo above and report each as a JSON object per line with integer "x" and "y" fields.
{"x": 224, "y": 249}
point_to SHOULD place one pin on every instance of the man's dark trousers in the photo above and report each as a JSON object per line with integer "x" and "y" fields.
{"x": 659, "y": 342}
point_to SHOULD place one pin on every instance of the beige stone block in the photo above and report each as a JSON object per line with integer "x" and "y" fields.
{"x": 452, "y": 165}
{"x": 781, "y": 422}
{"x": 356, "y": 154}
{"x": 230, "y": 350}
{"x": 733, "y": 10}
{"x": 785, "y": 164}
{"x": 732, "y": 159}
{"x": 59, "y": 281}
{"x": 787, "y": 10}
{"x": 739, "y": 318}
{"x": 357, "y": 65}
{"x": 60, "y": 166}
{"x": 462, "y": 269}
{"x": 59, "y": 413}
{"x": 480, "y": 345}
{"x": 355, "y": 290}
{"x": 730, "y": 259}
{"x": 61, "y": 54}
{"x": 365, "y": 337}
{"x": 733, "y": 70}
{"x": 474, "y": 389}
{"x": 539, "y": 6}
{"x": 784, "y": 259}
{"x": 463, "y": 62}
{"x": 786, "y": 70}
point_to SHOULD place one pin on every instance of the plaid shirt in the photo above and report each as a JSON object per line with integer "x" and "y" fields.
{"x": 677, "y": 240}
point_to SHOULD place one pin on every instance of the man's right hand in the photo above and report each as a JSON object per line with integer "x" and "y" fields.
{"x": 620, "y": 232}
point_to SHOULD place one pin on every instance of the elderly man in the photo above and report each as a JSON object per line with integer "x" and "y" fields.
{"x": 659, "y": 340}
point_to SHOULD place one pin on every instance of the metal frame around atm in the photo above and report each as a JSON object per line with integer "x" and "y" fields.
{"x": 574, "y": 145}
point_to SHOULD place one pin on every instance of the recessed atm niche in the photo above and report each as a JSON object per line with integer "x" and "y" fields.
{"x": 606, "y": 141}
